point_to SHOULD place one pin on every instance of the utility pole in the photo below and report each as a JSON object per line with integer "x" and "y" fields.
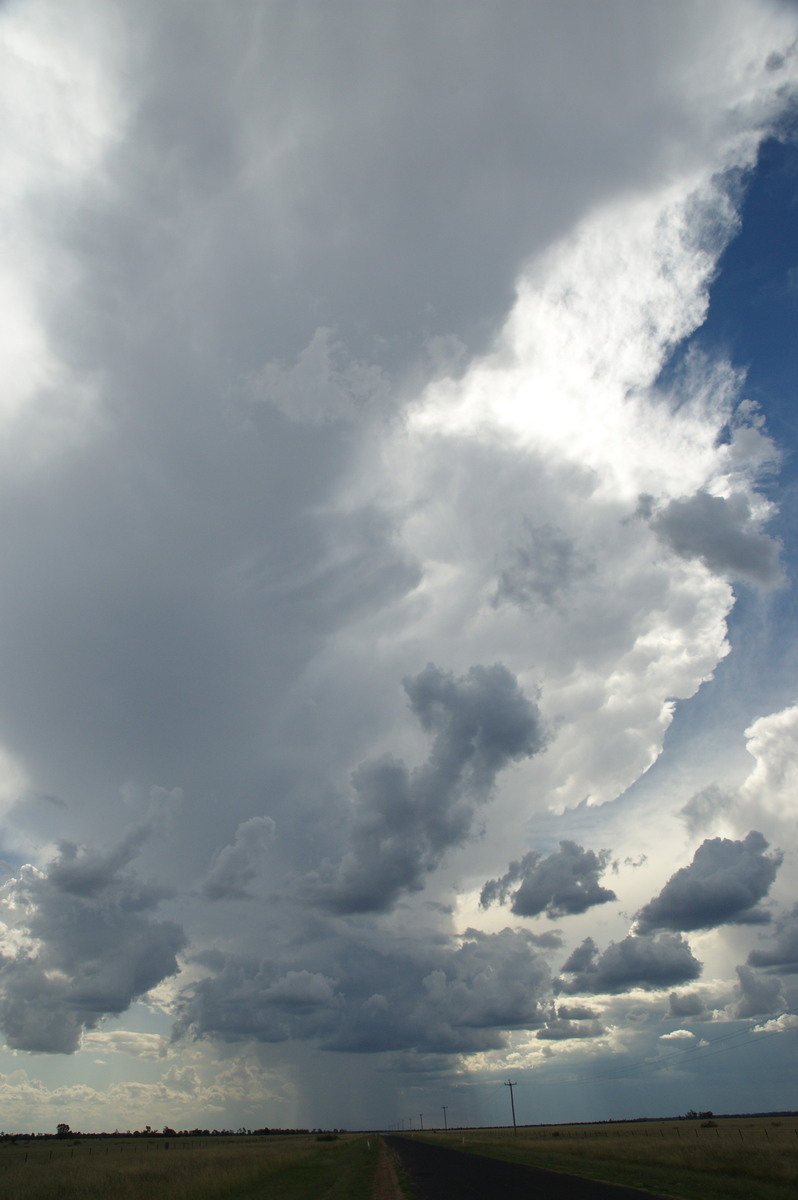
{"x": 444, "y": 1107}
{"x": 512, "y": 1102}
{"x": 421, "y": 1122}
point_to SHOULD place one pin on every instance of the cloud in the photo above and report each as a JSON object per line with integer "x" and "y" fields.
{"x": 702, "y": 809}
{"x": 548, "y": 940}
{"x": 124, "y": 1041}
{"x": 778, "y": 1024}
{"x": 247, "y": 999}
{"x": 323, "y": 385}
{"x": 333, "y": 345}
{"x": 773, "y": 743}
{"x": 677, "y": 1035}
{"x": 758, "y": 995}
{"x": 644, "y": 962}
{"x": 722, "y": 885}
{"x": 780, "y": 952}
{"x": 541, "y": 570}
{"x": 238, "y": 865}
{"x": 562, "y": 1030}
{"x": 405, "y": 820}
{"x": 688, "y": 1004}
{"x": 79, "y": 943}
{"x": 724, "y": 534}
{"x": 575, "y": 1012}
{"x": 208, "y": 1091}
{"x": 300, "y": 990}
{"x": 562, "y": 883}
{"x": 429, "y": 999}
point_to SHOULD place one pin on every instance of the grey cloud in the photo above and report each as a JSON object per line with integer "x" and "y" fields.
{"x": 494, "y": 981}
{"x": 541, "y": 570}
{"x": 299, "y": 200}
{"x": 294, "y": 179}
{"x": 645, "y": 506}
{"x": 300, "y": 990}
{"x": 325, "y": 384}
{"x": 562, "y": 883}
{"x": 780, "y": 953}
{"x": 482, "y": 721}
{"x": 581, "y": 958}
{"x": 722, "y": 885}
{"x": 238, "y": 865}
{"x": 688, "y": 1004}
{"x": 427, "y": 999}
{"x": 644, "y": 962}
{"x": 451, "y": 1000}
{"x": 575, "y": 1012}
{"x": 701, "y": 809}
{"x": 236, "y": 223}
{"x": 405, "y": 820}
{"x": 80, "y": 944}
{"x": 561, "y": 1030}
{"x": 192, "y": 598}
{"x": 85, "y": 871}
{"x": 722, "y": 532}
{"x": 548, "y": 940}
{"x": 411, "y": 1062}
{"x": 248, "y": 999}
{"x": 759, "y": 995}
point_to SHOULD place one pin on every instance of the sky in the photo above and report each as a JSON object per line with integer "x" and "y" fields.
{"x": 397, "y": 625}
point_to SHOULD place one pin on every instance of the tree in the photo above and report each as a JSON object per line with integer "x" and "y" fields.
{"x": 63, "y": 1130}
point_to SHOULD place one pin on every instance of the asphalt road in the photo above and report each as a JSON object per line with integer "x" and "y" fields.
{"x": 438, "y": 1173}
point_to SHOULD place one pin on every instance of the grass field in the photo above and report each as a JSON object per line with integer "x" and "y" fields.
{"x": 727, "y": 1159}
{"x": 224, "y": 1168}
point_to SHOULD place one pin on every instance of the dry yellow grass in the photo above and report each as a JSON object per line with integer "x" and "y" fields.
{"x": 726, "y": 1158}
{"x": 296, "y": 1168}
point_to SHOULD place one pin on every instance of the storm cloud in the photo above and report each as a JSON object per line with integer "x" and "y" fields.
{"x": 561, "y": 1030}
{"x": 405, "y": 820}
{"x": 235, "y": 867}
{"x": 541, "y": 569}
{"x": 81, "y": 944}
{"x": 722, "y": 885}
{"x": 442, "y": 1000}
{"x": 338, "y": 340}
{"x": 634, "y": 962}
{"x": 759, "y": 995}
{"x": 779, "y": 953}
{"x": 724, "y": 534}
{"x": 561, "y": 883}
{"x": 686, "y": 1004}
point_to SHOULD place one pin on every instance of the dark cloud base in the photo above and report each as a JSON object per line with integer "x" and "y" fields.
{"x": 563, "y": 883}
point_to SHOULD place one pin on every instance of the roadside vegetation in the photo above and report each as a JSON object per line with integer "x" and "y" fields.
{"x": 723, "y": 1159}
{"x": 208, "y": 1168}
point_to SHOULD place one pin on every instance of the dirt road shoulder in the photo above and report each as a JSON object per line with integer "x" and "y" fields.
{"x": 386, "y": 1179}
